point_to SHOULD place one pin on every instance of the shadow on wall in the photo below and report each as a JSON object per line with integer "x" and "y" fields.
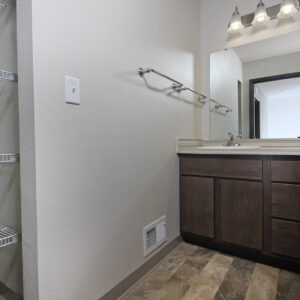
{"x": 215, "y": 110}
{"x": 9, "y": 94}
{"x": 10, "y": 184}
{"x": 8, "y": 294}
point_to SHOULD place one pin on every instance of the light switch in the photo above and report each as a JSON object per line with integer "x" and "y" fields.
{"x": 72, "y": 90}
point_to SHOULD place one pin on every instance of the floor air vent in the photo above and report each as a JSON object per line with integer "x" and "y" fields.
{"x": 154, "y": 235}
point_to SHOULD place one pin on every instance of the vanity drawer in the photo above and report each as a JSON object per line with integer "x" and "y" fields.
{"x": 286, "y": 201}
{"x": 285, "y": 171}
{"x": 218, "y": 167}
{"x": 286, "y": 238}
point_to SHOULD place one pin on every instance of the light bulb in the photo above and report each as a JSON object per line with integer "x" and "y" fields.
{"x": 261, "y": 16}
{"x": 288, "y": 9}
{"x": 235, "y": 24}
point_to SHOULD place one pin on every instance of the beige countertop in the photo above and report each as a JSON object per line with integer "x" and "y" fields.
{"x": 248, "y": 147}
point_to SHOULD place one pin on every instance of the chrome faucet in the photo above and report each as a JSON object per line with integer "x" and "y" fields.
{"x": 231, "y": 141}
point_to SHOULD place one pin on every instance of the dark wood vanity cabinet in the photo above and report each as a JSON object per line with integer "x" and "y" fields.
{"x": 241, "y": 213}
{"x": 244, "y": 205}
{"x": 197, "y": 205}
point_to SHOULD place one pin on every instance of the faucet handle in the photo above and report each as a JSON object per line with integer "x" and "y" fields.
{"x": 230, "y": 136}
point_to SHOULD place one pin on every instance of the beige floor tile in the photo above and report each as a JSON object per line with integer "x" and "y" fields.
{"x": 148, "y": 287}
{"x": 209, "y": 280}
{"x": 178, "y": 257}
{"x": 263, "y": 284}
{"x": 288, "y": 287}
{"x": 196, "y": 273}
{"x": 236, "y": 281}
{"x": 176, "y": 287}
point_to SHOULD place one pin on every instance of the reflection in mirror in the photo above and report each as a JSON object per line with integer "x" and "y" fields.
{"x": 275, "y": 106}
{"x": 261, "y": 83}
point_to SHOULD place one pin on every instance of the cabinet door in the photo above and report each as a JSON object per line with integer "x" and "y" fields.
{"x": 286, "y": 238}
{"x": 197, "y": 205}
{"x": 242, "y": 213}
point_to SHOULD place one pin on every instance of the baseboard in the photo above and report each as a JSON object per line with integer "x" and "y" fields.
{"x": 134, "y": 277}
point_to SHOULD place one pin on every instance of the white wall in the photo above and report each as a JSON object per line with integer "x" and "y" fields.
{"x": 276, "y": 65}
{"x": 226, "y": 70}
{"x": 283, "y": 117}
{"x": 10, "y": 200}
{"x": 108, "y": 167}
{"x": 215, "y": 15}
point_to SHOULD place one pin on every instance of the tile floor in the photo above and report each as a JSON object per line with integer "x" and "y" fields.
{"x": 195, "y": 273}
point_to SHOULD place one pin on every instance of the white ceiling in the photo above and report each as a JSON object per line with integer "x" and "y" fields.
{"x": 286, "y": 88}
{"x": 276, "y": 46}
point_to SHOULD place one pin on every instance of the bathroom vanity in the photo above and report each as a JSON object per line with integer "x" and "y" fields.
{"x": 242, "y": 201}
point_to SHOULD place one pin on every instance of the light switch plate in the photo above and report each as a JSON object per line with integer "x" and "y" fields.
{"x": 72, "y": 90}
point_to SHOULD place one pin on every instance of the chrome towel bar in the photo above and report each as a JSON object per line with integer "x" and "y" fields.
{"x": 179, "y": 87}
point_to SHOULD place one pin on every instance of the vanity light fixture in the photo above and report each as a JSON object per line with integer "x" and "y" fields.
{"x": 235, "y": 24}
{"x": 261, "y": 16}
{"x": 288, "y": 9}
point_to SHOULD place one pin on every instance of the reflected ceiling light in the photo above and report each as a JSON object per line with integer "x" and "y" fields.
{"x": 261, "y": 16}
{"x": 288, "y": 9}
{"x": 235, "y": 24}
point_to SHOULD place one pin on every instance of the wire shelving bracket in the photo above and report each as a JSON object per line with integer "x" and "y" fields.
{"x": 8, "y": 236}
{"x": 5, "y": 75}
{"x": 9, "y": 158}
{"x": 3, "y": 3}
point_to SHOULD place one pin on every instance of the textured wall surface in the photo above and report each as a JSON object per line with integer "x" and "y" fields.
{"x": 108, "y": 167}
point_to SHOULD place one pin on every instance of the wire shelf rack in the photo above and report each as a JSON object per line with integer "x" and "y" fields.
{"x": 3, "y": 3}
{"x": 9, "y": 158}
{"x": 6, "y": 75}
{"x": 8, "y": 236}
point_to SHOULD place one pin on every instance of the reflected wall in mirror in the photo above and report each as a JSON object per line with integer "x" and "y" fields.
{"x": 261, "y": 83}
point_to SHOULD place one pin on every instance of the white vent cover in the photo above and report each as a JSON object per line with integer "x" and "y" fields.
{"x": 154, "y": 235}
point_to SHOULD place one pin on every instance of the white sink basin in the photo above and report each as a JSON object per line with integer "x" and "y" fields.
{"x": 227, "y": 147}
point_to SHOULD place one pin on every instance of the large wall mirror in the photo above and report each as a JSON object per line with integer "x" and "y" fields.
{"x": 260, "y": 82}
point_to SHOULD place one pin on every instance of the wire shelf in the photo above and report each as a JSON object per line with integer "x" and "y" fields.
{"x": 9, "y": 158}
{"x": 8, "y": 236}
{"x": 5, "y": 75}
{"x": 3, "y": 3}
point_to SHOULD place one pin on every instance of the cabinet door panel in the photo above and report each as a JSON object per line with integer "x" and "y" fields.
{"x": 286, "y": 238}
{"x": 197, "y": 205}
{"x": 286, "y": 201}
{"x": 242, "y": 213}
{"x": 285, "y": 171}
{"x": 220, "y": 167}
